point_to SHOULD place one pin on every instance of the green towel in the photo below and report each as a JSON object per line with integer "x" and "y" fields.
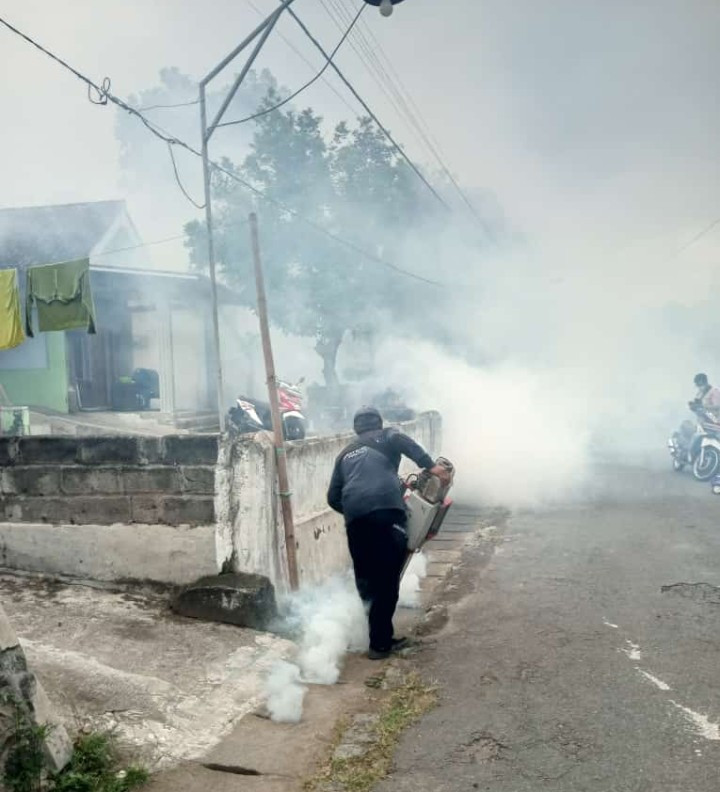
{"x": 62, "y": 296}
{"x": 11, "y": 332}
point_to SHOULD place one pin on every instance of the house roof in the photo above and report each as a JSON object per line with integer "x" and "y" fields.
{"x": 48, "y": 234}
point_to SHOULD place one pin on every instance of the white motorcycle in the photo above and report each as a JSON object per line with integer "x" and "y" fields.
{"x": 707, "y": 463}
{"x": 697, "y": 444}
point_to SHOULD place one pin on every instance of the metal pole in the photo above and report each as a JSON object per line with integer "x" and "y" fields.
{"x": 243, "y": 73}
{"x": 266, "y": 25}
{"x": 240, "y": 47}
{"x": 278, "y": 437}
{"x": 211, "y": 262}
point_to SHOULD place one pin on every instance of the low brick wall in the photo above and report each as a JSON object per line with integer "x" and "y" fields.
{"x": 171, "y": 509}
{"x": 128, "y": 450}
{"x": 109, "y": 508}
{"x": 105, "y": 481}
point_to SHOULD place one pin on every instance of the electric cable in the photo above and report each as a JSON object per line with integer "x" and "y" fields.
{"x": 310, "y": 82}
{"x": 368, "y": 110}
{"x": 697, "y": 238}
{"x": 125, "y": 249}
{"x": 304, "y": 59}
{"x": 387, "y": 83}
{"x": 178, "y": 180}
{"x": 105, "y": 95}
{"x": 167, "y": 106}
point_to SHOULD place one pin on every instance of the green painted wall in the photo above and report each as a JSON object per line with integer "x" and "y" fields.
{"x": 41, "y": 387}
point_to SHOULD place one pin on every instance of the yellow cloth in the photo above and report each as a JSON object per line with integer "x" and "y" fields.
{"x": 11, "y": 329}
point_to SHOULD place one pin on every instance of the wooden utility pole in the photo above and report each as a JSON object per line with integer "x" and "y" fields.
{"x": 278, "y": 435}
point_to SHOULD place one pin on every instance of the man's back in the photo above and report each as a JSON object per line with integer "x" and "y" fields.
{"x": 365, "y": 478}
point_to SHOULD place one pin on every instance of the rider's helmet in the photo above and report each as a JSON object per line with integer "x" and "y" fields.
{"x": 701, "y": 380}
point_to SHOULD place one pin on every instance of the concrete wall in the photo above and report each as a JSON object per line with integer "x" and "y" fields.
{"x": 249, "y": 524}
{"x": 109, "y": 509}
{"x": 67, "y": 538}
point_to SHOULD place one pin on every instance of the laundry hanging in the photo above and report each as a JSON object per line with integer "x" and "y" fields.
{"x": 11, "y": 330}
{"x": 62, "y": 295}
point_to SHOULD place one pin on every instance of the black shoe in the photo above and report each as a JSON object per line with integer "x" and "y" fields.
{"x": 398, "y": 644}
{"x": 377, "y": 654}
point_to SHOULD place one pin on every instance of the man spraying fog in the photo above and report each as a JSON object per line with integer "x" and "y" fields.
{"x": 366, "y": 490}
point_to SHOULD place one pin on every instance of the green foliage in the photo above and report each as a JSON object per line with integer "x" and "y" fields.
{"x": 169, "y": 103}
{"x": 94, "y": 767}
{"x": 353, "y": 185}
{"x": 24, "y": 764}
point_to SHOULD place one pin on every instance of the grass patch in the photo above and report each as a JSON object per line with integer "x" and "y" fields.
{"x": 405, "y": 705}
{"x": 95, "y": 765}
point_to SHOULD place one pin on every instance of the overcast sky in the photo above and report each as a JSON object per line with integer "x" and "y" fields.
{"x": 586, "y": 119}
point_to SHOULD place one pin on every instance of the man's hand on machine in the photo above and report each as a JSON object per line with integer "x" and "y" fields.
{"x": 442, "y": 473}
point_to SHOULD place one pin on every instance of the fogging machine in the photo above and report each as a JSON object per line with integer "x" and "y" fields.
{"x": 427, "y": 505}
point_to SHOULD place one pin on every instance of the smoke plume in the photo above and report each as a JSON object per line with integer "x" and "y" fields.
{"x": 327, "y": 621}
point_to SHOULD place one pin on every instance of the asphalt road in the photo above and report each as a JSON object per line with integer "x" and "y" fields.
{"x": 565, "y": 667}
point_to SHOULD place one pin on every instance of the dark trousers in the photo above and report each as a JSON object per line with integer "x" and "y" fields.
{"x": 378, "y": 546}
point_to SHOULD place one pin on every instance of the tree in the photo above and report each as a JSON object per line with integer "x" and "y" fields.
{"x": 354, "y": 186}
{"x": 156, "y": 202}
{"x": 173, "y": 104}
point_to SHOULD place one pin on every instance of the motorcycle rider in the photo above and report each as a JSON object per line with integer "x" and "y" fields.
{"x": 707, "y": 396}
{"x": 366, "y": 490}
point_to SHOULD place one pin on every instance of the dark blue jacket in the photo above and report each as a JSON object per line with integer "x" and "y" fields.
{"x": 365, "y": 478}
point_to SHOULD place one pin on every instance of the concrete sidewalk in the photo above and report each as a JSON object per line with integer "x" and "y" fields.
{"x": 258, "y": 755}
{"x": 169, "y": 687}
{"x": 183, "y": 696}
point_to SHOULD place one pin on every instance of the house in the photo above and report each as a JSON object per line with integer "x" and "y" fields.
{"x": 146, "y": 318}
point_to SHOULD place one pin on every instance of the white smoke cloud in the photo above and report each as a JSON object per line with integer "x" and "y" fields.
{"x": 410, "y": 584}
{"x": 516, "y": 438}
{"x": 329, "y": 621}
{"x": 285, "y": 693}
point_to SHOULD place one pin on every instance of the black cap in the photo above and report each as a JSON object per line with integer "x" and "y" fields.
{"x": 701, "y": 380}
{"x": 367, "y": 419}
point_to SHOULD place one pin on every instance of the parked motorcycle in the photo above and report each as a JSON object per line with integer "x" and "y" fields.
{"x": 697, "y": 443}
{"x": 253, "y": 415}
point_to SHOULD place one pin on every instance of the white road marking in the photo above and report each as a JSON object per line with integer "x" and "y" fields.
{"x": 704, "y": 727}
{"x": 657, "y": 682}
{"x": 632, "y": 650}
{"x": 701, "y": 724}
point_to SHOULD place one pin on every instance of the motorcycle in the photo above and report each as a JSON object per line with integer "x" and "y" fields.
{"x": 252, "y": 415}
{"x": 707, "y": 463}
{"x": 697, "y": 444}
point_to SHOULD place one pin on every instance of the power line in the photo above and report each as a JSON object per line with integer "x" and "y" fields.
{"x": 167, "y": 106}
{"x": 104, "y": 95}
{"x": 304, "y": 59}
{"x": 152, "y": 243}
{"x": 367, "y": 109}
{"x": 310, "y": 82}
{"x": 178, "y": 180}
{"x": 697, "y": 238}
{"x": 395, "y": 96}
{"x": 387, "y": 83}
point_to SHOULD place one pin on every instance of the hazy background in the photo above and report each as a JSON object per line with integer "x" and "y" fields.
{"x": 592, "y": 128}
